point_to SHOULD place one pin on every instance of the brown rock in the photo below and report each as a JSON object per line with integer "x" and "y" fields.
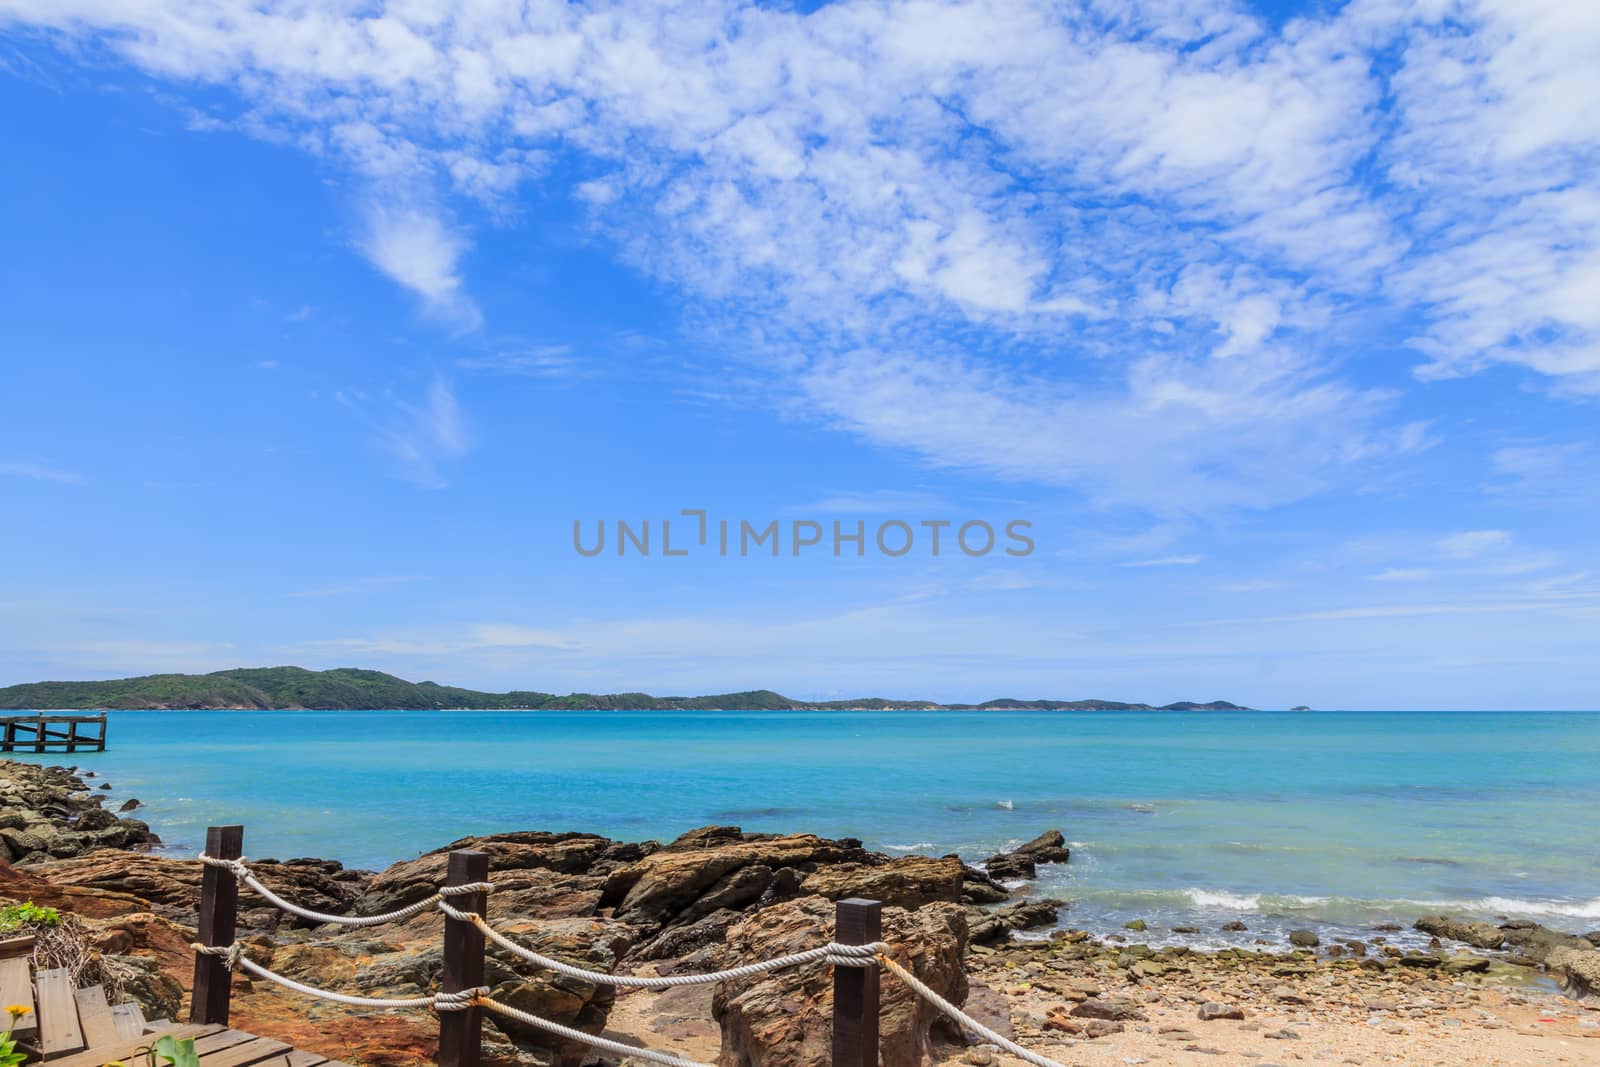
{"x": 782, "y": 1020}
{"x": 658, "y": 887}
{"x": 907, "y": 882}
{"x": 1476, "y": 934}
{"x": 172, "y": 887}
{"x": 1109, "y": 1008}
{"x": 1212, "y": 1010}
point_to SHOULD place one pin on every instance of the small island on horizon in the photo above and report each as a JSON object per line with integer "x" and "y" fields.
{"x": 351, "y": 689}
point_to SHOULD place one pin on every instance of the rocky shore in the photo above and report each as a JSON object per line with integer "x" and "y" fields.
{"x": 718, "y": 896}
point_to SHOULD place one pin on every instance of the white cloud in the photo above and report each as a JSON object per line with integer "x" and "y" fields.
{"x": 1165, "y": 561}
{"x": 418, "y": 251}
{"x": 937, "y": 222}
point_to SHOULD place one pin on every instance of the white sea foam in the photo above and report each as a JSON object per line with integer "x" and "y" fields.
{"x": 920, "y": 846}
{"x": 1005, "y": 805}
{"x": 1574, "y": 909}
{"x": 1217, "y": 898}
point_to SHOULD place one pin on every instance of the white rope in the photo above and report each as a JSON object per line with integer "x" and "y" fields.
{"x": 234, "y": 957}
{"x": 605, "y": 1044}
{"x": 962, "y": 1018}
{"x": 834, "y": 953}
{"x": 242, "y": 871}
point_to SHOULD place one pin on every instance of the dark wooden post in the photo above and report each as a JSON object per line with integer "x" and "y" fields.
{"x": 461, "y": 1032}
{"x": 219, "y": 912}
{"x": 101, "y": 747}
{"x": 855, "y": 989}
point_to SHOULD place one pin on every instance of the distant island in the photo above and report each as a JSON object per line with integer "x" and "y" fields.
{"x": 348, "y": 689}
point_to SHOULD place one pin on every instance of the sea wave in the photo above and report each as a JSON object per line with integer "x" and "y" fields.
{"x": 1216, "y": 898}
{"x": 1583, "y": 909}
{"x": 920, "y": 846}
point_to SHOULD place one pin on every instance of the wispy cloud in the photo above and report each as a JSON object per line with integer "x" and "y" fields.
{"x": 876, "y": 502}
{"x": 479, "y": 637}
{"x": 934, "y": 226}
{"x": 536, "y": 361}
{"x": 357, "y": 587}
{"x": 416, "y": 249}
{"x": 1164, "y": 561}
{"x": 1471, "y": 544}
{"x": 1402, "y": 574}
{"x": 39, "y": 472}
{"x": 418, "y": 437}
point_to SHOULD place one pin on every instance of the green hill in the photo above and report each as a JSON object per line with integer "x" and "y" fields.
{"x": 349, "y": 689}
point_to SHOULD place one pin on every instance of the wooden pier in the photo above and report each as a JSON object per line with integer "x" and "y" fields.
{"x": 53, "y": 733}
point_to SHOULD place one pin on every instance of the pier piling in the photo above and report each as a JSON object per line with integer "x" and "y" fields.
{"x": 45, "y": 733}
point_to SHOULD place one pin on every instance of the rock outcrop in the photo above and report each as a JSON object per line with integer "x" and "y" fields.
{"x": 1022, "y": 862}
{"x": 171, "y": 887}
{"x": 50, "y": 812}
{"x": 782, "y": 1020}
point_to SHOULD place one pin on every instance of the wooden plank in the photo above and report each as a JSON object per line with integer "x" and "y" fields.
{"x": 302, "y": 1058}
{"x": 126, "y": 1050}
{"x": 254, "y": 1051}
{"x": 16, "y": 987}
{"x": 94, "y": 1015}
{"x": 17, "y": 946}
{"x": 129, "y": 1019}
{"x": 58, "y": 1013}
{"x": 225, "y": 1040}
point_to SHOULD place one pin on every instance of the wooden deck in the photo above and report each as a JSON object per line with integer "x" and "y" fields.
{"x": 217, "y": 1045}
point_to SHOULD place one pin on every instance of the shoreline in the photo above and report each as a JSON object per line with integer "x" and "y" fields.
{"x": 685, "y": 905}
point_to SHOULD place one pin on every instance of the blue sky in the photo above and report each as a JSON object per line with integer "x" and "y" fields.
{"x": 1281, "y": 326}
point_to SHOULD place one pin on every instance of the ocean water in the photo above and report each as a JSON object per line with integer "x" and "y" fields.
{"x": 1333, "y": 820}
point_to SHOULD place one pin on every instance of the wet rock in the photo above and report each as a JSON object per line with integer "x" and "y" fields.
{"x": 1476, "y": 934}
{"x": 993, "y": 926}
{"x": 782, "y": 1020}
{"x": 1234, "y": 926}
{"x": 1465, "y": 965}
{"x": 1137, "y": 925}
{"x": 1022, "y": 862}
{"x": 131, "y": 804}
{"x": 1304, "y": 938}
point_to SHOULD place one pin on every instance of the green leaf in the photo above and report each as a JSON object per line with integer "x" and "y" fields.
{"x": 176, "y": 1052}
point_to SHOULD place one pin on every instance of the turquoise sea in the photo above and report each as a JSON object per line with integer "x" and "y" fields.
{"x": 1333, "y": 819}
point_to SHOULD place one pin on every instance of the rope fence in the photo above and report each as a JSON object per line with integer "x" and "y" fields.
{"x": 463, "y": 1000}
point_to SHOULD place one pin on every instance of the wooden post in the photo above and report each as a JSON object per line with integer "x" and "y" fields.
{"x": 38, "y": 736}
{"x": 11, "y": 736}
{"x": 461, "y": 1032}
{"x": 855, "y": 989}
{"x": 101, "y": 746}
{"x": 219, "y": 912}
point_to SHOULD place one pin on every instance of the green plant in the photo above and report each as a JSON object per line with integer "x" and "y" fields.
{"x": 14, "y": 917}
{"x": 167, "y": 1050}
{"x": 9, "y": 1056}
